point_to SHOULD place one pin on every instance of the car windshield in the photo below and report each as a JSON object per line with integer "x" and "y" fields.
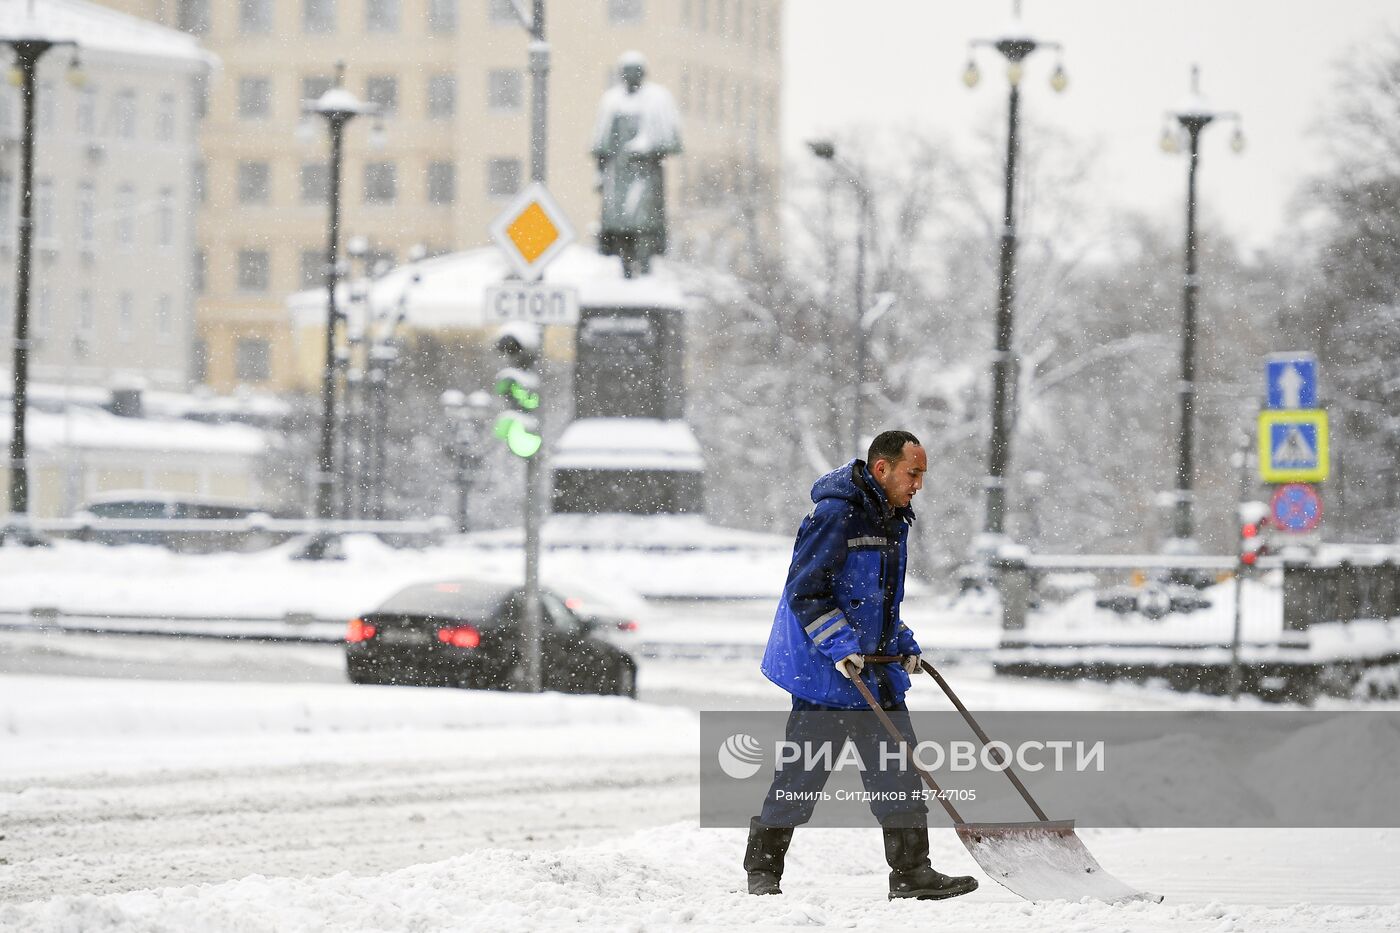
{"x": 449, "y": 599}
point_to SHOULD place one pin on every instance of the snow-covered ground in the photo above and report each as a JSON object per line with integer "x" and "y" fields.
{"x": 145, "y": 805}
{"x": 158, "y": 784}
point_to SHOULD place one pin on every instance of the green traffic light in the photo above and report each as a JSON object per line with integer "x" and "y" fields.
{"x": 520, "y": 440}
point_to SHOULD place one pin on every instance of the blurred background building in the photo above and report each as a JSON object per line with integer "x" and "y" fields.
{"x": 450, "y": 79}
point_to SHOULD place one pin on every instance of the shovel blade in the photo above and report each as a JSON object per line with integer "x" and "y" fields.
{"x": 1044, "y": 861}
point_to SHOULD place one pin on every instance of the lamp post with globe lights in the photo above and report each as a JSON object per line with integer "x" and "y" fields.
{"x": 27, "y": 46}
{"x": 337, "y": 107}
{"x": 1015, "y": 45}
{"x": 1190, "y": 119}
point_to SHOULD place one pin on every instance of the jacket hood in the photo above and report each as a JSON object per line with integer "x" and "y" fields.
{"x": 854, "y": 483}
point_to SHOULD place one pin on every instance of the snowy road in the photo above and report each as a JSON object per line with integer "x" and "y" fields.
{"x": 148, "y": 784}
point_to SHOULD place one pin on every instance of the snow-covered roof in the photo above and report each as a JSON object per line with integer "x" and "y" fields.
{"x": 627, "y": 444}
{"x": 98, "y": 29}
{"x": 445, "y": 292}
{"x": 80, "y": 427}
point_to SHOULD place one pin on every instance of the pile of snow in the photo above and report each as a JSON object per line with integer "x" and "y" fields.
{"x": 663, "y": 878}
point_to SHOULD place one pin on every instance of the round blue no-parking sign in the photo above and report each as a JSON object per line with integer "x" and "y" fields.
{"x": 1296, "y": 507}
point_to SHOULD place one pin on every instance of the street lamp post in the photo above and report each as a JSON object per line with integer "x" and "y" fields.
{"x": 27, "y": 50}
{"x": 1193, "y": 117}
{"x": 337, "y": 107}
{"x": 539, "y": 62}
{"x": 826, "y": 150}
{"x": 1016, "y": 46}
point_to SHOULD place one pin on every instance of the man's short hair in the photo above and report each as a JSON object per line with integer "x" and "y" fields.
{"x": 889, "y": 445}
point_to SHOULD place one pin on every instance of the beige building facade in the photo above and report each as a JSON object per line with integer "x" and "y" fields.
{"x": 112, "y": 285}
{"x": 450, "y": 77}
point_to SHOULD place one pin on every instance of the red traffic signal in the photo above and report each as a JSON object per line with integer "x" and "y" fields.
{"x": 1251, "y": 545}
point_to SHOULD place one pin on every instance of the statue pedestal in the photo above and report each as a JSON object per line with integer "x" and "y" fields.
{"x": 629, "y": 448}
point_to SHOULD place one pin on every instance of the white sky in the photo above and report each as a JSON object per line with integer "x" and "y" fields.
{"x": 889, "y": 63}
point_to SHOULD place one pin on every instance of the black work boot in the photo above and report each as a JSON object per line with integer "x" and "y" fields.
{"x": 911, "y": 875}
{"x": 763, "y": 859}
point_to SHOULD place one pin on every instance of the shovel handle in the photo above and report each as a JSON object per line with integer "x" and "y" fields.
{"x": 967, "y": 716}
{"x": 894, "y": 734}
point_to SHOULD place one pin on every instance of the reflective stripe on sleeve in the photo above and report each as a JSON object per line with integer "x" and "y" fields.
{"x": 833, "y": 614}
{"x": 829, "y": 632}
{"x": 869, "y": 541}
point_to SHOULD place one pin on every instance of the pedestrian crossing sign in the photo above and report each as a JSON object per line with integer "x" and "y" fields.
{"x": 1293, "y": 445}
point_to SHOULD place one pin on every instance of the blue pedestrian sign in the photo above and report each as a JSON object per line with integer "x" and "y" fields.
{"x": 1293, "y": 446}
{"x": 1292, "y": 379}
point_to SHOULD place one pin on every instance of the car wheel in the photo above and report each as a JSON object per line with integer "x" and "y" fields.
{"x": 624, "y": 681}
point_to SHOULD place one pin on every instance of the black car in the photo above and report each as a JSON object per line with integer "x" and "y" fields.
{"x": 467, "y": 633}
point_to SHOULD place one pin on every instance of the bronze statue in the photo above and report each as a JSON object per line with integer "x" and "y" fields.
{"x": 638, "y": 126}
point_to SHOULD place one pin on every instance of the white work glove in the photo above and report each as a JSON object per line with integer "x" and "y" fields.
{"x": 850, "y": 665}
{"x": 911, "y": 664}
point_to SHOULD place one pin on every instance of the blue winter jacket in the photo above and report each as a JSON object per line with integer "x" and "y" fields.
{"x": 843, "y": 593}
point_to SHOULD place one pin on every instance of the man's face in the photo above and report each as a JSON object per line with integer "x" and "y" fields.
{"x": 901, "y": 478}
{"x": 632, "y": 76}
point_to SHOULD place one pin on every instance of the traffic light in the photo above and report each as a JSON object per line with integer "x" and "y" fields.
{"x": 518, "y": 384}
{"x": 1252, "y": 542}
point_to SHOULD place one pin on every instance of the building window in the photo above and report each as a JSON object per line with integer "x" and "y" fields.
{"x": 124, "y": 113}
{"x": 754, "y": 12}
{"x": 87, "y": 111}
{"x": 165, "y": 119}
{"x": 381, "y": 182}
{"x": 42, "y": 312}
{"x": 254, "y": 97}
{"x": 382, "y": 15}
{"x": 502, "y": 177}
{"x": 505, "y": 89}
{"x": 199, "y": 94}
{"x": 254, "y": 182}
{"x": 318, "y": 16}
{"x": 165, "y": 319}
{"x": 502, "y": 13}
{"x": 621, "y": 12}
{"x": 442, "y": 96}
{"x": 199, "y": 180}
{"x": 252, "y": 360}
{"x": 685, "y": 89}
{"x": 126, "y": 216}
{"x": 313, "y": 268}
{"x": 738, "y": 20}
{"x": 48, "y": 107}
{"x": 442, "y": 17}
{"x": 254, "y": 270}
{"x": 442, "y": 182}
{"x": 383, "y": 92}
{"x": 87, "y": 321}
{"x": 192, "y": 16}
{"x": 165, "y": 218}
{"x": 199, "y": 361}
{"x": 255, "y": 17}
{"x": 199, "y": 271}
{"x": 43, "y": 210}
{"x": 773, "y": 28}
{"x": 313, "y": 86}
{"x": 685, "y": 12}
{"x": 126, "y": 315}
{"x": 7, "y": 207}
{"x": 722, "y": 18}
{"x": 87, "y": 215}
{"x": 315, "y": 183}
{"x": 704, "y": 23}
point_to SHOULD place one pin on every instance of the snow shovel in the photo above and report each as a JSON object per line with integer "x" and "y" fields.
{"x": 1039, "y": 860}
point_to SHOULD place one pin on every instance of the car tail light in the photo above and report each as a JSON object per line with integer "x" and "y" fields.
{"x": 574, "y": 603}
{"x": 460, "y": 636}
{"x": 359, "y": 630}
{"x": 629, "y": 626}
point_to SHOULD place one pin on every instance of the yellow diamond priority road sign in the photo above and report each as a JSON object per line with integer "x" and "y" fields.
{"x": 532, "y": 231}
